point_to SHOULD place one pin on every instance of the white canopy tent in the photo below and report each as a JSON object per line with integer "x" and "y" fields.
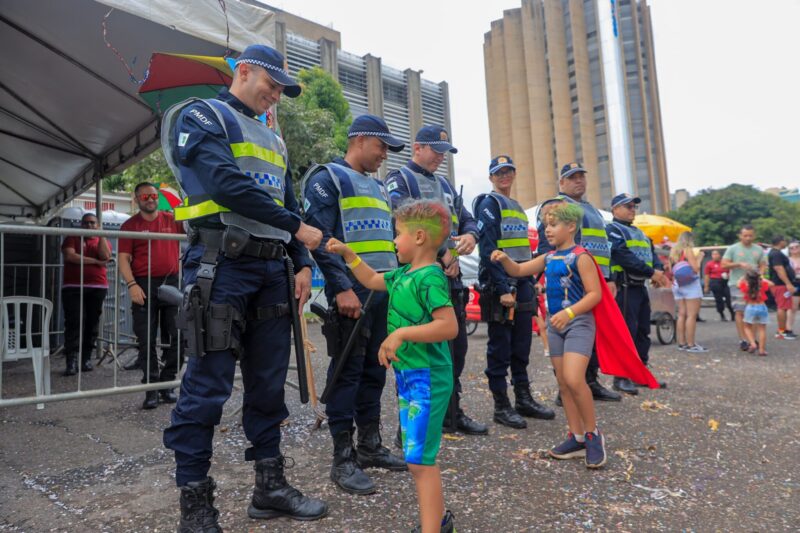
{"x": 69, "y": 110}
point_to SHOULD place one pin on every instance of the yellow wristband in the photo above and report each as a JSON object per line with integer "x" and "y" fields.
{"x": 570, "y": 312}
{"x": 355, "y": 263}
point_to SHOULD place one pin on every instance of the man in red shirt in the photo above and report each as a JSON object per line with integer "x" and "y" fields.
{"x": 145, "y": 265}
{"x": 91, "y": 256}
{"x": 717, "y": 282}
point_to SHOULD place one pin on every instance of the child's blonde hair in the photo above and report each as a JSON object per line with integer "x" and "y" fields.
{"x": 430, "y": 216}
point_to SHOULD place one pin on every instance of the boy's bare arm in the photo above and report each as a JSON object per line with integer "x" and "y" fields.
{"x": 443, "y": 327}
{"x": 362, "y": 271}
{"x": 519, "y": 270}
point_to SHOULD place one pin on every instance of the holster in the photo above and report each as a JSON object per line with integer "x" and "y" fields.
{"x": 491, "y": 308}
{"x": 344, "y": 329}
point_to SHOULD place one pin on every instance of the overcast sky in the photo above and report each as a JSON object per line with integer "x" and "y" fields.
{"x": 727, "y": 72}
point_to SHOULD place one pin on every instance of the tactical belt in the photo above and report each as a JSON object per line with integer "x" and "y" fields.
{"x": 525, "y": 307}
{"x": 268, "y": 249}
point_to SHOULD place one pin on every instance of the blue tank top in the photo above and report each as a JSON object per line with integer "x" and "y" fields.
{"x": 564, "y": 286}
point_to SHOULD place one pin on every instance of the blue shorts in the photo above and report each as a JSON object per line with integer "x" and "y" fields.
{"x": 423, "y": 395}
{"x": 756, "y": 314}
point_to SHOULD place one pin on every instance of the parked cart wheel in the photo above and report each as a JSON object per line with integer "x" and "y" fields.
{"x": 665, "y": 328}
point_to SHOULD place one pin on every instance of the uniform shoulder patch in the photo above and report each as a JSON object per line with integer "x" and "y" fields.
{"x": 392, "y": 185}
{"x": 183, "y": 138}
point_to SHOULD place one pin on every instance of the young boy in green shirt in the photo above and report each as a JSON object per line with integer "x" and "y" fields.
{"x": 420, "y": 322}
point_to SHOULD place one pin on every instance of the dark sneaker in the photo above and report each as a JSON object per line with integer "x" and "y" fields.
{"x": 448, "y": 524}
{"x": 595, "y": 450}
{"x": 569, "y": 449}
{"x": 744, "y": 345}
{"x": 789, "y": 335}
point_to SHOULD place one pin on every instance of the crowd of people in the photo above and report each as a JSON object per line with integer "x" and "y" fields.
{"x": 388, "y": 251}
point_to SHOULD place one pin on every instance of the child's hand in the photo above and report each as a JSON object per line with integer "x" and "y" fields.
{"x": 388, "y": 350}
{"x": 335, "y": 246}
{"x": 560, "y": 320}
{"x": 498, "y": 256}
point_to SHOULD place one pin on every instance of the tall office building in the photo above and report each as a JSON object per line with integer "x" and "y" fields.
{"x": 571, "y": 80}
{"x": 402, "y": 97}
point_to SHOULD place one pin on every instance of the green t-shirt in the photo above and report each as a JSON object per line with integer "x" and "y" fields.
{"x": 413, "y": 297}
{"x": 738, "y": 253}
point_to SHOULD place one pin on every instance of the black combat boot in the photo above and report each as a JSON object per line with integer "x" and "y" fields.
{"x": 504, "y": 414}
{"x": 602, "y": 394}
{"x": 371, "y": 453}
{"x": 86, "y": 364}
{"x": 463, "y": 423}
{"x": 527, "y": 406}
{"x": 625, "y": 385}
{"x": 150, "y": 399}
{"x": 72, "y": 365}
{"x": 345, "y": 471}
{"x": 274, "y": 497}
{"x": 198, "y": 514}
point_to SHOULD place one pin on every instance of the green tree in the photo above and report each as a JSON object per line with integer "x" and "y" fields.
{"x": 322, "y": 91}
{"x": 717, "y": 215}
{"x": 152, "y": 168}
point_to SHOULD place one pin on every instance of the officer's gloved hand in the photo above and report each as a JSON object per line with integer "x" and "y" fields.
{"x": 309, "y": 235}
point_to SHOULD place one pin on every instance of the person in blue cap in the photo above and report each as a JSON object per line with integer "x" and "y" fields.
{"x": 246, "y": 242}
{"x": 507, "y": 303}
{"x": 592, "y": 236}
{"x": 416, "y": 180}
{"x": 345, "y": 202}
{"x": 633, "y": 262}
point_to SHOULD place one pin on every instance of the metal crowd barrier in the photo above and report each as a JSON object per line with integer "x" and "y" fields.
{"x": 42, "y": 281}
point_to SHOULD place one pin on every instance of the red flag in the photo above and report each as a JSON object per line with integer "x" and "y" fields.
{"x": 616, "y": 352}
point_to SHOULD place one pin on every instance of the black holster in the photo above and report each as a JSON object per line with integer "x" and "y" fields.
{"x": 337, "y": 329}
{"x": 491, "y": 308}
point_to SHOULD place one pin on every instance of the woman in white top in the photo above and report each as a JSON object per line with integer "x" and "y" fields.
{"x": 687, "y": 290}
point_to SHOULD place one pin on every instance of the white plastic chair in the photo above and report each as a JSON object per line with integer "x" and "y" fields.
{"x": 12, "y": 348}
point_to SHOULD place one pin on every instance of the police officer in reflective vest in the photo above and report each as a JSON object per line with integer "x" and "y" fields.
{"x": 343, "y": 201}
{"x": 633, "y": 262}
{"x": 416, "y": 180}
{"x": 592, "y": 236}
{"x": 508, "y": 304}
{"x": 243, "y": 225}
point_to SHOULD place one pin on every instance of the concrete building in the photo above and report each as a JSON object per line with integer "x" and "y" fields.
{"x": 571, "y": 80}
{"x": 402, "y": 97}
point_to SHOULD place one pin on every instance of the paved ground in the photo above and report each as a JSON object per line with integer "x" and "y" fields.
{"x": 716, "y": 451}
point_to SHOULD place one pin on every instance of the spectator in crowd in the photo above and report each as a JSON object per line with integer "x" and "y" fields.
{"x": 782, "y": 275}
{"x": 739, "y": 258}
{"x": 756, "y": 316}
{"x": 89, "y": 255}
{"x": 687, "y": 290}
{"x": 794, "y": 260}
{"x": 716, "y": 282}
{"x": 145, "y": 265}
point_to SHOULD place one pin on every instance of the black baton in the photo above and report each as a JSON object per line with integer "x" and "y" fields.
{"x": 299, "y": 349}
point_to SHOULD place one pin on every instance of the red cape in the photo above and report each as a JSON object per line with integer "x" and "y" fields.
{"x": 616, "y": 352}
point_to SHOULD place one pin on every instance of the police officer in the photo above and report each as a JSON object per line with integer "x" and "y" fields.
{"x": 592, "y": 236}
{"x": 633, "y": 262}
{"x": 507, "y": 303}
{"x": 416, "y": 180}
{"x": 343, "y": 201}
{"x": 243, "y": 223}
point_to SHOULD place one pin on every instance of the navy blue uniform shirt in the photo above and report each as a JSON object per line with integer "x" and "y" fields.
{"x": 322, "y": 211}
{"x": 622, "y": 255}
{"x": 207, "y": 152}
{"x": 491, "y": 273}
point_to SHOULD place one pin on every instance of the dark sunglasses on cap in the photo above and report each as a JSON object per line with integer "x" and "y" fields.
{"x": 151, "y": 196}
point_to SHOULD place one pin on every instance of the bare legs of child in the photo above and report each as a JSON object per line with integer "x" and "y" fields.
{"x": 752, "y": 331}
{"x": 575, "y": 393}
{"x": 428, "y": 480}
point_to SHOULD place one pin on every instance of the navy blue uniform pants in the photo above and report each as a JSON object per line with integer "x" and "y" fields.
{"x": 634, "y": 302}
{"x": 246, "y": 283}
{"x": 459, "y": 345}
{"x": 509, "y": 345}
{"x": 357, "y": 394}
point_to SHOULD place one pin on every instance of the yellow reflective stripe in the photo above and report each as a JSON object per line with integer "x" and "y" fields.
{"x": 592, "y": 232}
{"x": 203, "y": 209}
{"x": 510, "y": 213}
{"x": 638, "y": 244}
{"x": 355, "y": 202}
{"x": 513, "y": 243}
{"x": 365, "y": 247}
{"x": 454, "y": 219}
{"x": 258, "y": 152}
{"x": 616, "y": 268}
{"x": 602, "y": 261}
